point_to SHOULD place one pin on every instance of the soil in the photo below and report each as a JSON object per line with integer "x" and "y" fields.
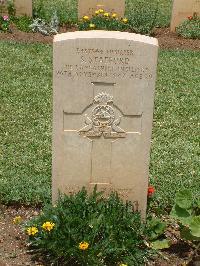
{"x": 166, "y": 39}
{"x": 14, "y": 249}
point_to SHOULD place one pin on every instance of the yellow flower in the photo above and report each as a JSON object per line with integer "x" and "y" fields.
{"x": 31, "y": 231}
{"x": 97, "y": 12}
{"x": 48, "y": 226}
{"x": 83, "y": 245}
{"x": 92, "y": 26}
{"x": 17, "y": 220}
{"x": 106, "y": 14}
{"x": 101, "y": 10}
{"x": 123, "y": 264}
{"x": 86, "y": 18}
{"x": 114, "y": 15}
{"x": 125, "y": 20}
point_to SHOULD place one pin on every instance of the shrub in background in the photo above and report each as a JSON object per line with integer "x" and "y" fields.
{"x": 23, "y": 23}
{"x": 149, "y": 6}
{"x": 143, "y": 17}
{"x": 190, "y": 28}
{"x": 65, "y": 9}
{"x": 89, "y": 230}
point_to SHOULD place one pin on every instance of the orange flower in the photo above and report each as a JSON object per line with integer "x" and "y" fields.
{"x": 48, "y": 226}
{"x": 83, "y": 245}
{"x": 151, "y": 191}
{"x": 190, "y": 17}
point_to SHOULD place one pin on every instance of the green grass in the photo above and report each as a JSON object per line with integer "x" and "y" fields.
{"x": 67, "y": 9}
{"x": 26, "y": 119}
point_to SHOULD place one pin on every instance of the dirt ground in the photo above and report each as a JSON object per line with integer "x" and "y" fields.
{"x": 14, "y": 249}
{"x": 167, "y": 39}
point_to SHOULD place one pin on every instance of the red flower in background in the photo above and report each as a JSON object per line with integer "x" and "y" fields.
{"x": 151, "y": 191}
{"x": 190, "y": 17}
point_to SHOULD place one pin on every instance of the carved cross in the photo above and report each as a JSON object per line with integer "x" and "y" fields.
{"x": 102, "y": 127}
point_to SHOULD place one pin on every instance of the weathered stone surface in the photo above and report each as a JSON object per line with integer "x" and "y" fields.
{"x": 103, "y": 109}
{"x": 3, "y": 7}
{"x": 182, "y": 9}
{"x": 88, "y": 7}
{"x": 22, "y": 7}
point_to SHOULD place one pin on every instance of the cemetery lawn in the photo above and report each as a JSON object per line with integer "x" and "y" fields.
{"x": 26, "y": 124}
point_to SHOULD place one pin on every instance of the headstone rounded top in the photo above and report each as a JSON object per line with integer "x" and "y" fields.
{"x": 101, "y": 34}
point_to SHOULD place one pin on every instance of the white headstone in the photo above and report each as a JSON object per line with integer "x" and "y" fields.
{"x": 104, "y": 86}
{"x": 3, "y": 7}
{"x": 22, "y": 7}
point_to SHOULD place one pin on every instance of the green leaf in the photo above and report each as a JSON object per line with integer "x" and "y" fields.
{"x": 182, "y": 215}
{"x": 161, "y": 244}
{"x": 195, "y": 226}
{"x": 198, "y": 203}
{"x": 157, "y": 228}
{"x": 186, "y": 234}
{"x": 184, "y": 199}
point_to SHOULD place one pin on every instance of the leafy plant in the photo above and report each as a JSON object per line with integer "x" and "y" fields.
{"x": 155, "y": 229}
{"x": 89, "y": 230}
{"x": 103, "y": 20}
{"x": 143, "y": 17}
{"x": 187, "y": 211}
{"x": 41, "y": 26}
{"x": 4, "y": 23}
{"x": 190, "y": 28}
{"x": 23, "y": 23}
{"x": 140, "y": 20}
{"x": 65, "y": 9}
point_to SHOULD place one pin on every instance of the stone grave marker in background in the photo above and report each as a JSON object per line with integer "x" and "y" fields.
{"x": 181, "y": 10}
{"x": 3, "y": 7}
{"x": 22, "y": 7}
{"x": 88, "y": 7}
{"x": 103, "y": 109}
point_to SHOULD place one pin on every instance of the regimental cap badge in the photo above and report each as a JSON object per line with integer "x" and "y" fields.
{"x": 103, "y": 98}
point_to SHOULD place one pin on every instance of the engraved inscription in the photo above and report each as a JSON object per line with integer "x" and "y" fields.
{"x": 109, "y": 63}
{"x": 103, "y": 120}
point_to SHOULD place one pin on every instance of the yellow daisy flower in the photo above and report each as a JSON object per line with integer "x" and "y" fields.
{"x": 92, "y": 26}
{"x": 114, "y": 15}
{"x": 97, "y": 12}
{"x": 83, "y": 245}
{"x": 106, "y": 14}
{"x": 125, "y": 20}
{"x": 86, "y": 18}
{"x": 17, "y": 220}
{"x": 101, "y": 10}
{"x": 48, "y": 226}
{"x": 31, "y": 231}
